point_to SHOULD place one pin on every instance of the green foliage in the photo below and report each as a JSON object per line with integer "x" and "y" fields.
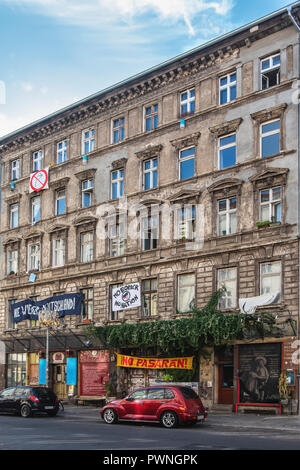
{"x": 206, "y": 327}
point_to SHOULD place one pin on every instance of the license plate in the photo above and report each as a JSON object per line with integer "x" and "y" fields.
{"x": 200, "y": 418}
{"x": 49, "y": 407}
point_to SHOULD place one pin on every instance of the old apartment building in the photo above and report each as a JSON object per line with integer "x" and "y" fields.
{"x": 212, "y": 135}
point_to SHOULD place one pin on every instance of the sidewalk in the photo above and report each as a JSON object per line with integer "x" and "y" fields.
{"x": 233, "y": 420}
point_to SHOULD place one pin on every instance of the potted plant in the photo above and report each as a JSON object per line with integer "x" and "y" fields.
{"x": 264, "y": 223}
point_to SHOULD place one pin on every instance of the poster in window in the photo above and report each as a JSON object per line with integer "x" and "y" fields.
{"x": 259, "y": 372}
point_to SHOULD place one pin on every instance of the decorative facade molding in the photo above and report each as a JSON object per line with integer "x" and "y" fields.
{"x": 121, "y": 163}
{"x": 269, "y": 177}
{"x": 226, "y": 127}
{"x": 186, "y": 141}
{"x": 86, "y": 174}
{"x": 269, "y": 114}
{"x": 149, "y": 152}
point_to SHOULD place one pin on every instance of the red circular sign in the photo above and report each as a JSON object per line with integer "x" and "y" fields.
{"x": 39, "y": 180}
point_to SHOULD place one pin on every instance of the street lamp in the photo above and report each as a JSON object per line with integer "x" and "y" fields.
{"x": 49, "y": 319}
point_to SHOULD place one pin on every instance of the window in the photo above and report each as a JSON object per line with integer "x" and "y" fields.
{"x": 117, "y": 184}
{"x": 151, "y": 117}
{"x": 10, "y": 323}
{"x": 118, "y": 130}
{"x": 37, "y": 160}
{"x": 60, "y": 202}
{"x": 270, "y": 205}
{"x": 270, "y": 138}
{"x": 16, "y": 369}
{"x": 34, "y": 257}
{"x": 185, "y": 292}
{"x": 156, "y": 394}
{"x": 228, "y": 278}
{"x": 227, "y": 223}
{"x": 187, "y": 102}
{"x": 117, "y": 239}
{"x": 227, "y": 151}
{"x": 227, "y": 87}
{"x": 62, "y": 151}
{"x": 149, "y": 232}
{"x": 187, "y": 163}
{"x": 270, "y": 278}
{"x": 185, "y": 223}
{"x": 12, "y": 261}
{"x": 88, "y": 141}
{"x": 15, "y": 170}
{"x": 139, "y": 395}
{"x": 14, "y": 216}
{"x": 87, "y": 192}
{"x": 87, "y": 305}
{"x": 35, "y": 209}
{"x": 114, "y": 315}
{"x": 86, "y": 247}
{"x": 150, "y": 173}
{"x": 149, "y": 297}
{"x": 59, "y": 252}
{"x": 270, "y": 71}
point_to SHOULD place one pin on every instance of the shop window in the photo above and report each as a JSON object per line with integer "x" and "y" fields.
{"x": 16, "y": 369}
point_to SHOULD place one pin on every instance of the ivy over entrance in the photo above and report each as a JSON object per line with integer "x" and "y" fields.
{"x": 206, "y": 327}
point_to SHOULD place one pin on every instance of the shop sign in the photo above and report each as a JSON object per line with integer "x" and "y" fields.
{"x": 185, "y": 363}
{"x": 65, "y": 304}
{"x": 98, "y": 355}
{"x": 94, "y": 372}
{"x": 58, "y": 358}
{"x": 126, "y": 297}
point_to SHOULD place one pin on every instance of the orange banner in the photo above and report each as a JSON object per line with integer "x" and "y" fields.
{"x": 155, "y": 363}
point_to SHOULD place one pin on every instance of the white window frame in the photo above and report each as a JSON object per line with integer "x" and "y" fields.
{"x": 59, "y": 197}
{"x": 87, "y": 256}
{"x": 116, "y": 239}
{"x": 34, "y": 257}
{"x": 117, "y": 181}
{"x": 227, "y": 87}
{"x": 227, "y": 298}
{"x": 151, "y": 115}
{"x": 272, "y": 67}
{"x": 59, "y": 252}
{"x": 150, "y": 224}
{"x": 179, "y": 288}
{"x": 185, "y": 226}
{"x": 13, "y": 210}
{"x": 61, "y": 153}
{"x": 12, "y": 260}
{"x": 228, "y": 212}
{"x": 271, "y": 203}
{"x": 89, "y": 189}
{"x": 188, "y": 101}
{"x": 150, "y": 171}
{"x": 35, "y": 202}
{"x": 37, "y": 160}
{"x": 185, "y": 159}
{"x": 90, "y": 140}
{"x": 224, "y": 147}
{"x": 270, "y": 275}
{"x": 118, "y": 129}
{"x": 268, "y": 134}
{"x": 15, "y": 169}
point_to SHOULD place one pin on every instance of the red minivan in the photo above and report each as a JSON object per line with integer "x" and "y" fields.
{"x": 169, "y": 405}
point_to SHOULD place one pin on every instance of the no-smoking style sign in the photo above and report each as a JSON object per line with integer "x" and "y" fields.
{"x": 39, "y": 180}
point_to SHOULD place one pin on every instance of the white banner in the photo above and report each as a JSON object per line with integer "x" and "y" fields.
{"x": 125, "y": 297}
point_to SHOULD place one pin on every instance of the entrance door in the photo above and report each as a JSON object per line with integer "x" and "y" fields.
{"x": 59, "y": 380}
{"x": 224, "y": 356}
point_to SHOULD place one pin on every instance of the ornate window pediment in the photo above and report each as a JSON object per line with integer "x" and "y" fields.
{"x": 269, "y": 177}
{"x": 86, "y": 174}
{"x": 269, "y": 114}
{"x": 226, "y": 187}
{"x": 85, "y": 221}
{"x": 31, "y": 235}
{"x": 149, "y": 152}
{"x": 121, "y": 163}
{"x": 226, "y": 127}
{"x": 186, "y": 141}
{"x": 184, "y": 194}
{"x": 59, "y": 183}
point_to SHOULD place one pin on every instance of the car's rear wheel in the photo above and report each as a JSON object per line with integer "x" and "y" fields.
{"x": 25, "y": 411}
{"x": 169, "y": 419}
{"x": 110, "y": 416}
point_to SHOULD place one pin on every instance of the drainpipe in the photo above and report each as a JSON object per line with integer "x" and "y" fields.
{"x": 289, "y": 10}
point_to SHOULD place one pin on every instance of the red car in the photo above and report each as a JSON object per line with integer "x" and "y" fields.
{"x": 169, "y": 405}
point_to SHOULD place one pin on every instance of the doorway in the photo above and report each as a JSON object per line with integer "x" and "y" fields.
{"x": 59, "y": 380}
{"x": 225, "y": 376}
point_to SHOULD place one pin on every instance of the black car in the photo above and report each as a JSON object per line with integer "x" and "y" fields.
{"x": 26, "y": 401}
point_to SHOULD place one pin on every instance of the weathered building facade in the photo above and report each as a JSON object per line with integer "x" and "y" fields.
{"x": 213, "y": 136}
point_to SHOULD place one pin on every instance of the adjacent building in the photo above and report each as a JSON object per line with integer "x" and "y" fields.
{"x": 210, "y": 137}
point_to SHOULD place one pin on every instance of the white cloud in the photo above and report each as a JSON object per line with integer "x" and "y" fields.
{"x": 98, "y": 13}
{"x": 27, "y": 87}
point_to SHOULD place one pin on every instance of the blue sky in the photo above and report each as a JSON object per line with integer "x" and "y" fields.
{"x": 55, "y": 52}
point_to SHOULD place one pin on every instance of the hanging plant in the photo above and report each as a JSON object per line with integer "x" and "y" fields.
{"x": 207, "y": 326}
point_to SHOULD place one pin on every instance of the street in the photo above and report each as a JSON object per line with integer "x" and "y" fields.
{"x": 84, "y": 430}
